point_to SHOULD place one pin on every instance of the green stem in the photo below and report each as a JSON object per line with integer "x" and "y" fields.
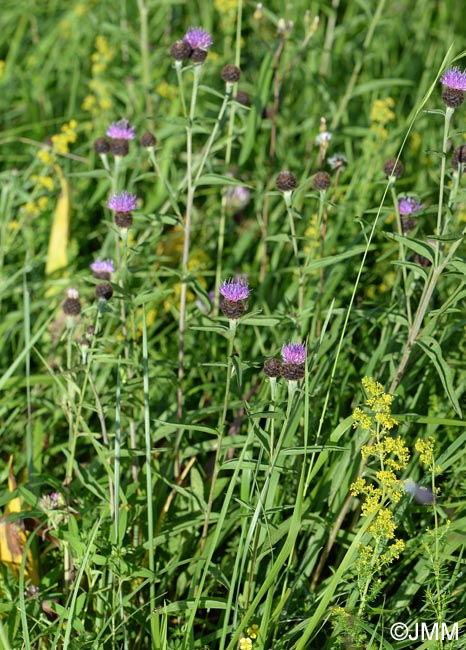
{"x": 221, "y": 427}
{"x": 402, "y": 256}
{"x": 440, "y": 226}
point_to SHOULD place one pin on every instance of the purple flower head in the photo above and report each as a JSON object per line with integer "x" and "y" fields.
{"x": 124, "y": 202}
{"x": 234, "y": 290}
{"x": 52, "y": 501}
{"x": 121, "y": 130}
{"x": 455, "y": 79}
{"x": 103, "y": 266}
{"x": 198, "y": 38}
{"x": 294, "y": 353}
{"x": 408, "y": 205}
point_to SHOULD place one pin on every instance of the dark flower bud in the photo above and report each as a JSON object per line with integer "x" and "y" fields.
{"x": 321, "y": 181}
{"x": 101, "y": 146}
{"x": 272, "y": 368}
{"x": 393, "y": 167}
{"x": 452, "y": 97}
{"x": 243, "y": 98}
{"x": 180, "y": 51}
{"x": 459, "y": 157}
{"x": 407, "y": 224}
{"x": 286, "y": 181}
{"x": 119, "y": 147}
{"x": 293, "y": 371}
{"x": 72, "y": 305}
{"x": 123, "y": 219}
{"x": 198, "y": 55}
{"x": 104, "y": 291}
{"x": 148, "y": 140}
{"x": 231, "y": 74}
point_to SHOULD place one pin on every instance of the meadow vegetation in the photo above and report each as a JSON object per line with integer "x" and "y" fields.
{"x": 233, "y": 324}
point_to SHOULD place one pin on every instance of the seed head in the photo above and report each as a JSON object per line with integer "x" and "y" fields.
{"x": 198, "y": 38}
{"x": 286, "y": 181}
{"x": 124, "y": 202}
{"x": 231, "y": 74}
{"x": 101, "y": 146}
{"x": 408, "y": 205}
{"x": 459, "y": 157}
{"x": 121, "y": 130}
{"x": 104, "y": 291}
{"x": 338, "y": 162}
{"x": 102, "y": 269}
{"x": 180, "y": 50}
{"x": 148, "y": 140}
{"x": 272, "y": 368}
{"x": 393, "y": 167}
{"x": 72, "y": 305}
{"x": 321, "y": 181}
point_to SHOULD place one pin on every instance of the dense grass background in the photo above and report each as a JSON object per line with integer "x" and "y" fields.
{"x": 125, "y": 559}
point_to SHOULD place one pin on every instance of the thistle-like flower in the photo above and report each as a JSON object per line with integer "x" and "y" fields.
{"x": 455, "y": 86}
{"x": 121, "y": 130}
{"x": 235, "y": 294}
{"x": 124, "y": 202}
{"x": 294, "y": 361}
{"x": 102, "y": 269}
{"x": 408, "y": 205}
{"x": 198, "y": 39}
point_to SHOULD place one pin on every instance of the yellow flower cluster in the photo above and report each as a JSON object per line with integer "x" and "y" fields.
{"x": 245, "y": 644}
{"x": 253, "y": 631}
{"x": 60, "y": 143}
{"x": 391, "y": 455}
{"x": 223, "y": 6}
{"x": 99, "y": 99}
{"x": 379, "y": 420}
{"x": 425, "y": 448}
{"x": 381, "y": 115}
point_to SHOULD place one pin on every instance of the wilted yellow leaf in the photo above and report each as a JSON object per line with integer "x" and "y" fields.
{"x": 13, "y": 536}
{"x": 57, "y": 257}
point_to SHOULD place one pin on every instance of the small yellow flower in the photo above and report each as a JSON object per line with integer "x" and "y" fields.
{"x": 253, "y": 631}
{"x": 46, "y": 157}
{"x": 245, "y": 644}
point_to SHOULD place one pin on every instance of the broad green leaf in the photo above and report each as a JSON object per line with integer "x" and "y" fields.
{"x": 434, "y": 352}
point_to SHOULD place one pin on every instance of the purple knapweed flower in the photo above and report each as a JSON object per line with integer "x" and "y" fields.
{"x": 102, "y": 269}
{"x": 234, "y": 290}
{"x": 121, "y": 130}
{"x": 124, "y": 202}
{"x": 408, "y": 205}
{"x": 455, "y": 79}
{"x": 102, "y": 266}
{"x": 294, "y": 353}
{"x": 197, "y": 38}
